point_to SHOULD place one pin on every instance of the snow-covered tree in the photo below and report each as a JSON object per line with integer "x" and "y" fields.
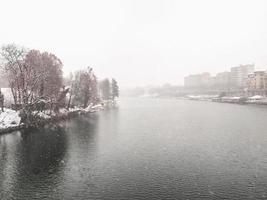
{"x": 105, "y": 89}
{"x": 13, "y": 63}
{"x": 84, "y": 87}
{"x": 114, "y": 89}
{"x": 31, "y": 74}
{"x": 52, "y": 81}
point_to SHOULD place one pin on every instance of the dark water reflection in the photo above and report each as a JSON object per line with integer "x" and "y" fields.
{"x": 146, "y": 149}
{"x": 30, "y": 162}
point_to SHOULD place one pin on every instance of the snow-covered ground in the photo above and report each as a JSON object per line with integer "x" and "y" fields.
{"x": 9, "y": 118}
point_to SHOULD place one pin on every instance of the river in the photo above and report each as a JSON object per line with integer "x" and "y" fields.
{"x": 145, "y": 149}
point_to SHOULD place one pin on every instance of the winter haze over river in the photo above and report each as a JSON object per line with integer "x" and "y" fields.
{"x": 148, "y": 42}
{"x": 133, "y": 99}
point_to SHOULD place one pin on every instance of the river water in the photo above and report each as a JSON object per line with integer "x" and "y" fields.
{"x": 145, "y": 149}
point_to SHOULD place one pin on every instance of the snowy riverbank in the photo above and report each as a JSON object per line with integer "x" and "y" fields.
{"x": 11, "y": 121}
{"x": 9, "y": 118}
{"x": 257, "y": 99}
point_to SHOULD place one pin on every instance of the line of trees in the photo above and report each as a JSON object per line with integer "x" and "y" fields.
{"x": 32, "y": 75}
{"x": 37, "y": 84}
{"x": 83, "y": 88}
{"x": 109, "y": 90}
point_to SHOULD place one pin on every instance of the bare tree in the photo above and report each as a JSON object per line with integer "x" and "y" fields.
{"x": 12, "y": 61}
{"x": 34, "y": 78}
{"x": 47, "y": 76}
{"x": 105, "y": 89}
{"x": 52, "y": 81}
{"x": 114, "y": 89}
{"x": 85, "y": 87}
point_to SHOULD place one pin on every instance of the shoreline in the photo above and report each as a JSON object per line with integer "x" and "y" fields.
{"x": 230, "y": 100}
{"x": 60, "y": 116}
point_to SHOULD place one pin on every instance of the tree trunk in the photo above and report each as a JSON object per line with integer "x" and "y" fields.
{"x": 68, "y": 107}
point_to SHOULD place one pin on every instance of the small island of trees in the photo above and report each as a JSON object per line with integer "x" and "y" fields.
{"x": 39, "y": 90}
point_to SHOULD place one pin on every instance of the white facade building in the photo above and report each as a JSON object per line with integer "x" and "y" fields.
{"x": 240, "y": 74}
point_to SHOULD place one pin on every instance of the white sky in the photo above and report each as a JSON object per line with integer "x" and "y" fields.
{"x": 141, "y": 42}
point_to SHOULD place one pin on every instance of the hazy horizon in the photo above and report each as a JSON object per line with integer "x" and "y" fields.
{"x": 141, "y": 42}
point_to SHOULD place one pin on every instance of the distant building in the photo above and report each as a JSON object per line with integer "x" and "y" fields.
{"x": 197, "y": 80}
{"x": 212, "y": 82}
{"x": 223, "y": 80}
{"x": 237, "y": 78}
{"x": 257, "y": 81}
{"x": 240, "y": 74}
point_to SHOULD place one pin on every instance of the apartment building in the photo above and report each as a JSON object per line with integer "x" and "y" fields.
{"x": 197, "y": 80}
{"x": 223, "y": 80}
{"x": 257, "y": 81}
{"x": 240, "y": 74}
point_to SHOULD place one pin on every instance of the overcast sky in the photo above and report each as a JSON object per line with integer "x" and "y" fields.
{"x": 141, "y": 42}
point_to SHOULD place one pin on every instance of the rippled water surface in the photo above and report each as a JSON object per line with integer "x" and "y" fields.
{"x": 146, "y": 149}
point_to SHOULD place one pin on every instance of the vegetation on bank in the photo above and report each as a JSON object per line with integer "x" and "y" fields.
{"x": 39, "y": 89}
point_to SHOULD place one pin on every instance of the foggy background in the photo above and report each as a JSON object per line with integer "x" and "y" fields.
{"x": 141, "y": 42}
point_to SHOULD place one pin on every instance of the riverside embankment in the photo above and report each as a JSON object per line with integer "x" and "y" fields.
{"x": 257, "y": 99}
{"x": 11, "y": 121}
